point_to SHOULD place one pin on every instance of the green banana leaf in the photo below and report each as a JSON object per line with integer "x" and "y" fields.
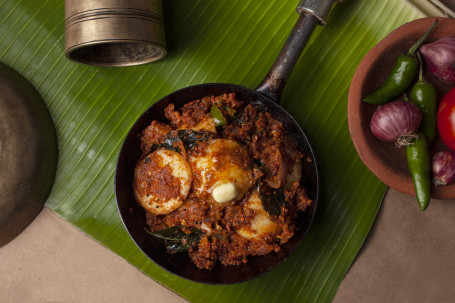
{"x": 232, "y": 41}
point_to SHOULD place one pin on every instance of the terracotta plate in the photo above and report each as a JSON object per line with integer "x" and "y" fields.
{"x": 386, "y": 161}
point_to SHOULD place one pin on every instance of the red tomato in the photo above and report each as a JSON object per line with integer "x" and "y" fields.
{"x": 446, "y": 119}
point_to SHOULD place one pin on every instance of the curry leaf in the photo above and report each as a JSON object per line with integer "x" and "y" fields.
{"x": 190, "y": 138}
{"x": 174, "y": 233}
{"x": 169, "y": 143}
{"x": 176, "y": 239}
{"x": 273, "y": 203}
{"x": 178, "y": 246}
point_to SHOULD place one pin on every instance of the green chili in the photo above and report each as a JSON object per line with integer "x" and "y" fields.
{"x": 423, "y": 94}
{"x": 217, "y": 116}
{"x": 401, "y": 75}
{"x": 418, "y": 158}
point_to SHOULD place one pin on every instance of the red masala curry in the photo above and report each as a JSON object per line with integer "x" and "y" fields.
{"x": 221, "y": 181}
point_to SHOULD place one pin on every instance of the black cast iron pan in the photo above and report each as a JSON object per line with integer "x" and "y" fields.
{"x": 268, "y": 94}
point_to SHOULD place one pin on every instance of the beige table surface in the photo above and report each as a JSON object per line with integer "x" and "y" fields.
{"x": 408, "y": 257}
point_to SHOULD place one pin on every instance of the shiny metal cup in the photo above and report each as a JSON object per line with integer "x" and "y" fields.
{"x": 114, "y": 32}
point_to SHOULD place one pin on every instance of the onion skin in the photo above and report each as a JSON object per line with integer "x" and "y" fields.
{"x": 396, "y": 122}
{"x": 443, "y": 167}
{"x": 440, "y": 58}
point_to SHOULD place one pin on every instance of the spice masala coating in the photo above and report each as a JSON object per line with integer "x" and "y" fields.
{"x": 232, "y": 174}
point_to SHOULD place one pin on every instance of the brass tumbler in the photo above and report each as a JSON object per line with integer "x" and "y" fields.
{"x": 114, "y": 32}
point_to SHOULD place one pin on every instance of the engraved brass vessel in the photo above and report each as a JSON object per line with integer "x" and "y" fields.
{"x": 114, "y": 32}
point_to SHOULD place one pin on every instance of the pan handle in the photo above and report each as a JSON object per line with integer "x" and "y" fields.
{"x": 311, "y": 13}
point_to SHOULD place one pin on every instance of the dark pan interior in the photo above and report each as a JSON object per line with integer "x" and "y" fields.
{"x": 133, "y": 215}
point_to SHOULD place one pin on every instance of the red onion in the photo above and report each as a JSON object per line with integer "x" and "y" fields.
{"x": 440, "y": 57}
{"x": 443, "y": 167}
{"x": 396, "y": 122}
